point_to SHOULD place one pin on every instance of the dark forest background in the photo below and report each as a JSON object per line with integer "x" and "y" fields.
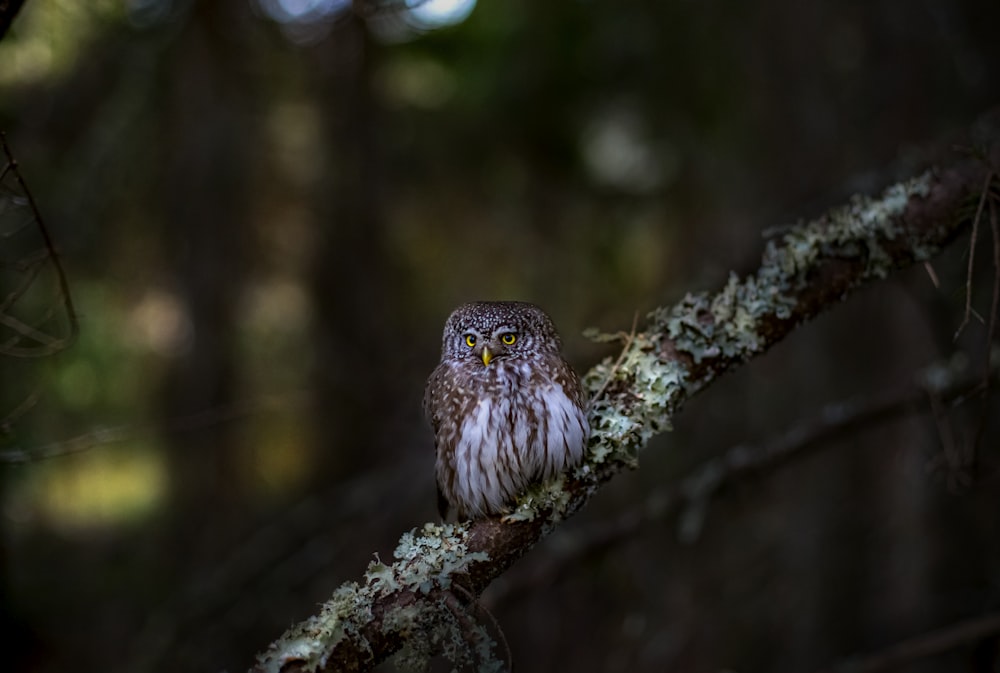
{"x": 267, "y": 208}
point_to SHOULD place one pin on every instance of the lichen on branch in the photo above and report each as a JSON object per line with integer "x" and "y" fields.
{"x": 423, "y": 603}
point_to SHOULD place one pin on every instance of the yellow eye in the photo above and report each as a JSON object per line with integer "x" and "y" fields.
{"x": 509, "y": 338}
{"x": 470, "y": 340}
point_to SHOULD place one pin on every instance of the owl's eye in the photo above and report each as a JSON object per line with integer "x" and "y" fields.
{"x": 470, "y": 340}
{"x": 509, "y": 338}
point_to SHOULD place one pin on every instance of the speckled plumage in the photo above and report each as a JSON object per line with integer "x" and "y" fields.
{"x": 505, "y": 420}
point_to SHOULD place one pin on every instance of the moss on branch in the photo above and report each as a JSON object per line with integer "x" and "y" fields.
{"x": 421, "y": 603}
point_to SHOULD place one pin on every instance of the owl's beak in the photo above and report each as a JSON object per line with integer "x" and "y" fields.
{"x": 487, "y": 356}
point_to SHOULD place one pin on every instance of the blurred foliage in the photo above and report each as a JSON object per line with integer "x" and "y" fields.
{"x": 268, "y": 208}
{"x": 46, "y": 41}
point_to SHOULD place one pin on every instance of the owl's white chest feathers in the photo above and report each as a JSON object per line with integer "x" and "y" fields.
{"x": 512, "y": 434}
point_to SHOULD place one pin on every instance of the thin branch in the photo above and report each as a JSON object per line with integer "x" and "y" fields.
{"x": 995, "y": 304}
{"x": 627, "y": 342}
{"x": 931, "y": 388}
{"x": 29, "y": 268}
{"x": 932, "y": 274}
{"x": 47, "y": 348}
{"x": 28, "y": 332}
{"x": 952, "y": 459}
{"x": 134, "y": 431}
{"x": 990, "y": 332}
{"x": 680, "y": 351}
{"x": 474, "y": 603}
{"x": 972, "y": 255}
{"x": 925, "y": 645}
{"x": 960, "y": 459}
{"x": 26, "y": 405}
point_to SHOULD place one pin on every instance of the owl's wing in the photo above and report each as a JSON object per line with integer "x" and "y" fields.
{"x": 564, "y": 375}
{"x": 442, "y": 504}
{"x": 432, "y": 402}
{"x": 434, "y": 395}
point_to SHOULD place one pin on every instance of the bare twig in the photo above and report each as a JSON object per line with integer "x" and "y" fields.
{"x": 952, "y": 460}
{"x": 477, "y": 605}
{"x": 925, "y": 645}
{"x": 26, "y": 405}
{"x": 933, "y": 387}
{"x": 995, "y": 304}
{"x": 990, "y": 332}
{"x": 972, "y": 254}
{"x": 960, "y": 460}
{"x": 123, "y": 433}
{"x": 929, "y": 268}
{"x": 29, "y": 267}
{"x": 627, "y": 340}
{"x": 47, "y": 344}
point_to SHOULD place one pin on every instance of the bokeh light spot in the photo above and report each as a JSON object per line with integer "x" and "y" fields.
{"x": 160, "y": 323}
{"x": 96, "y": 489}
{"x": 440, "y": 13}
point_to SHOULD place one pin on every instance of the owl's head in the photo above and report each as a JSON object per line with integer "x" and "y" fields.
{"x": 497, "y": 330}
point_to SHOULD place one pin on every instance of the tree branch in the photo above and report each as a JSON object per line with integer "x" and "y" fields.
{"x": 680, "y": 351}
{"x": 925, "y": 645}
{"x": 40, "y": 343}
{"x": 947, "y": 382}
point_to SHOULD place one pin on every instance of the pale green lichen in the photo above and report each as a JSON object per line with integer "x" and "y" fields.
{"x": 633, "y": 399}
{"x": 467, "y": 644}
{"x": 429, "y": 559}
{"x": 408, "y": 620}
{"x": 436, "y": 628}
{"x": 550, "y": 496}
{"x": 619, "y": 427}
{"x": 614, "y": 431}
{"x": 731, "y": 322}
{"x": 310, "y": 642}
{"x": 424, "y": 561}
{"x": 858, "y": 228}
{"x": 726, "y": 324}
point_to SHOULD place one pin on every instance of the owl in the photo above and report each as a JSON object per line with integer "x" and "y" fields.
{"x": 505, "y": 407}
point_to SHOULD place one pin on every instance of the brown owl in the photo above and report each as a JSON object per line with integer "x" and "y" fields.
{"x": 505, "y": 407}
